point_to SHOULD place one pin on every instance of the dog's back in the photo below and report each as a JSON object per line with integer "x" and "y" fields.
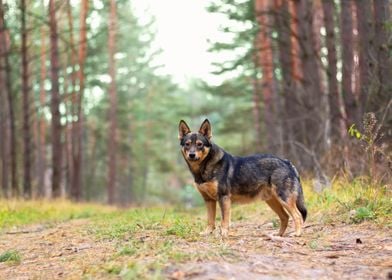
{"x": 220, "y": 176}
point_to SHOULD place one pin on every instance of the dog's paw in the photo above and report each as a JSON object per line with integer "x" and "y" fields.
{"x": 209, "y": 230}
{"x": 295, "y": 234}
{"x": 224, "y": 233}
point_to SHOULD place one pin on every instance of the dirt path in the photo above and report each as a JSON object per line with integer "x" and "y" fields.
{"x": 69, "y": 251}
{"x": 64, "y": 251}
{"x": 323, "y": 252}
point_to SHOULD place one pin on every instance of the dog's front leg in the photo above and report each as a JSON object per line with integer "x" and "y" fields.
{"x": 211, "y": 213}
{"x": 225, "y": 206}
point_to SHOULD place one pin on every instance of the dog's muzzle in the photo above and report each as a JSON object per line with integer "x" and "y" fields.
{"x": 192, "y": 157}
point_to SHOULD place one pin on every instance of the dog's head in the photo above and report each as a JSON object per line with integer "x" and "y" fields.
{"x": 195, "y": 146}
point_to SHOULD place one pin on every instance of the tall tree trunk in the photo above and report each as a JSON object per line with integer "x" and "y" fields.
{"x": 76, "y": 187}
{"x": 350, "y": 104}
{"x": 382, "y": 18}
{"x": 55, "y": 103}
{"x": 71, "y": 107}
{"x": 10, "y": 99}
{"x": 42, "y": 120}
{"x": 263, "y": 9}
{"x": 26, "y": 107}
{"x": 295, "y": 46}
{"x": 112, "y": 135}
{"x": 311, "y": 80}
{"x": 336, "y": 120}
{"x": 366, "y": 63}
{"x": 256, "y": 95}
{"x": 286, "y": 29}
{"x": 256, "y": 111}
{"x": 4, "y": 140}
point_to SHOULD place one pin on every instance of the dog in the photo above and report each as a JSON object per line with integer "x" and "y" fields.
{"x": 225, "y": 179}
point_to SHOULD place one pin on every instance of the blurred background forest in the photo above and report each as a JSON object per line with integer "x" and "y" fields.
{"x": 85, "y": 112}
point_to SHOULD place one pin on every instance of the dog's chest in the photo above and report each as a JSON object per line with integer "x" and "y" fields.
{"x": 209, "y": 190}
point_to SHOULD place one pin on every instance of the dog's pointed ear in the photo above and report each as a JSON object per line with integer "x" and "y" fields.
{"x": 205, "y": 129}
{"x": 183, "y": 129}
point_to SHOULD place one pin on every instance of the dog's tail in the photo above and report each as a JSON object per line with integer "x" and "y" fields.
{"x": 301, "y": 203}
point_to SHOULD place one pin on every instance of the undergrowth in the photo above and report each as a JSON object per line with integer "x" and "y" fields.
{"x": 351, "y": 202}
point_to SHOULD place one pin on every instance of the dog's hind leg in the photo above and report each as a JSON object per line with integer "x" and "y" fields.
{"x": 291, "y": 207}
{"x": 277, "y": 207}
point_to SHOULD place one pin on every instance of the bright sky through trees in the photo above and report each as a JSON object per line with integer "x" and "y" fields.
{"x": 183, "y": 30}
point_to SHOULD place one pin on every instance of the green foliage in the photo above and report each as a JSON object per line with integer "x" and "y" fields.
{"x": 351, "y": 201}
{"x": 361, "y": 214}
{"x": 354, "y": 132}
{"x": 239, "y": 38}
{"x": 11, "y": 256}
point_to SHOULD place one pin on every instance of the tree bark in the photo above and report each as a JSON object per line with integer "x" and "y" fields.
{"x": 112, "y": 135}
{"x": 13, "y": 141}
{"x": 382, "y": 18}
{"x": 311, "y": 80}
{"x": 336, "y": 119}
{"x": 55, "y": 103}
{"x": 71, "y": 106}
{"x": 4, "y": 140}
{"x": 286, "y": 29}
{"x": 263, "y": 9}
{"x": 42, "y": 120}
{"x": 256, "y": 112}
{"x": 26, "y": 107}
{"x": 76, "y": 186}
{"x": 366, "y": 63}
{"x": 350, "y": 103}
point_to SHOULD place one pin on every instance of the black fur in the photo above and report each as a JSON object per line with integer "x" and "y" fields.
{"x": 244, "y": 177}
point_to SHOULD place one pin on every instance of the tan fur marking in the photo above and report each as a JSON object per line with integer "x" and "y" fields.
{"x": 195, "y": 165}
{"x": 291, "y": 208}
{"x": 264, "y": 194}
{"x": 202, "y": 154}
{"x": 277, "y": 207}
{"x": 211, "y": 213}
{"x": 226, "y": 216}
{"x": 298, "y": 221}
{"x": 209, "y": 190}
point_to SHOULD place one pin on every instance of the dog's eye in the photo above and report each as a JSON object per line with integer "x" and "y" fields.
{"x": 199, "y": 144}
{"x": 187, "y": 144}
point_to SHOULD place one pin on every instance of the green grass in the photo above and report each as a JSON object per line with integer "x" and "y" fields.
{"x": 147, "y": 239}
{"x": 11, "y": 256}
{"x": 21, "y": 212}
{"x": 165, "y": 221}
{"x": 351, "y": 202}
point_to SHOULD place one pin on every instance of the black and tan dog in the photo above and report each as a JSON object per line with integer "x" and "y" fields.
{"x": 223, "y": 178}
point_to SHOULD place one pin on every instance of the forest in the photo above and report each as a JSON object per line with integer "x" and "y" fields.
{"x": 93, "y": 184}
{"x": 85, "y": 116}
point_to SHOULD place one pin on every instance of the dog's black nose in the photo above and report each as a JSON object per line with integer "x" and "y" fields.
{"x": 192, "y": 155}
